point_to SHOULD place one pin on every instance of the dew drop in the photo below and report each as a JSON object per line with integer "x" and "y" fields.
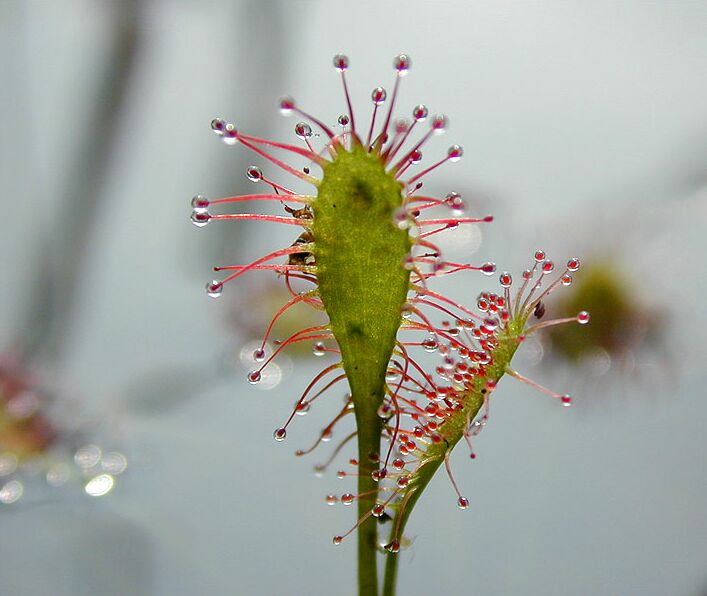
{"x": 254, "y": 174}
{"x": 347, "y": 498}
{"x": 378, "y": 95}
{"x": 415, "y": 157}
{"x": 403, "y": 481}
{"x": 385, "y": 411}
{"x": 326, "y": 435}
{"x": 402, "y": 64}
{"x": 455, "y": 152}
{"x": 583, "y": 317}
{"x": 214, "y": 288}
{"x": 463, "y": 503}
{"x": 430, "y": 344}
{"x": 331, "y": 500}
{"x": 230, "y": 134}
{"x": 393, "y": 546}
{"x": 302, "y": 408}
{"x": 343, "y": 120}
{"x": 401, "y": 125}
{"x": 548, "y": 266}
{"x": 341, "y": 62}
{"x": 401, "y": 218}
{"x": 420, "y": 112}
{"x": 566, "y": 400}
{"x": 455, "y": 202}
{"x": 303, "y": 130}
{"x": 566, "y": 280}
{"x": 539, "y": 256}
{"x": 573, "y": 264}
{"x": 199, "y": 203}
{"x": 505, "y": 279}
{"x": 439, "y": 124}
{"x": 491, "y": 324}
{"x": 286, "y": 104}
{"x": 319, "y": 349}
{"x": 218, "y": 126}
{"x": 398, "y": 463}
{"x": 259, "y": 355}
{"x": 279, "y": 434}
{"x": 378, "y": 510}
{"x": 200, "y": 218}
{"x": 254, "y": 377}
{"x": 11, "y": 492}
{"x": 337, "y": 540}
{"x": 488, "y": 268}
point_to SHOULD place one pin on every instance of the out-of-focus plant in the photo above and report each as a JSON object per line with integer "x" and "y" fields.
{"x": 365, "y": 255}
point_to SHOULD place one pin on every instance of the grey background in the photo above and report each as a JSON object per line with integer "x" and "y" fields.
{"x": 584, "y": 128}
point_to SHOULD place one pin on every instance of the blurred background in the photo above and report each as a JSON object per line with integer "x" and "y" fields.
{"x": 134, "y": 456}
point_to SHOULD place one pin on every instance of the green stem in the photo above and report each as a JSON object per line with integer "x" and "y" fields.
{"x": 368, "y": 424}
{"x": 391, "y": 574}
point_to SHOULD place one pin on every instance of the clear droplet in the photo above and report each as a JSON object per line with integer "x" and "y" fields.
{"x": 200, "y": 204}
{"x": 341, "y": 62}
{"x": 347, "y": 498}
{"x": 573, "y": 265}
{"x": 230, "y": 134}
{"x": 378, "y": 95}
{"x": 331, "y": 500}
{"x": 254, "y": 377}
{"x": 302, "y": 408}
{"x": 420, "y": 112}
{"x": 87, "y": 456}
{"x": 279, "y": 434}
{"x": 488, "y": 268}
{"x": 463, "y": 503}
{"x": 254, "y": 174}
{"x": 439, "y": 124}
{"x": 583, "y": 317}
{"x": 218, "y": 125}
{"x": 539, "y": 256}
{"x": 393, "y": 546}
{"x": 402, "y": 64}
{"x": 430, "y": 344}
{"x": 343, "y": 120}
{"x": 214, "y": 288}
{"x": 337, "y": 540}
{"x": 566, "y": 400}
{"x": 11, "y": 492}
{"x": 8, "y": 463}
{"x": 505, "y": 279}
{"x": 401, "y": 218}
{"x": 114, "y": 463}
{"x": 455, "y": 152}
{"x": 100, "y": 485}
{"x": 566, "y": 280}
{"x": 200, "y": 218}
{"x": 303, "y": 130}
{"x": 455, "y": 202}
{"x": 286, "y": 104}
{"x": 259, "y": 355}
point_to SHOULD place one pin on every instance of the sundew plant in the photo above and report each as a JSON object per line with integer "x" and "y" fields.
{"x": 364, "y": 252}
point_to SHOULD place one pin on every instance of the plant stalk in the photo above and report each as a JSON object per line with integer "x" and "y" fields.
{"x": 368, "y": 424}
